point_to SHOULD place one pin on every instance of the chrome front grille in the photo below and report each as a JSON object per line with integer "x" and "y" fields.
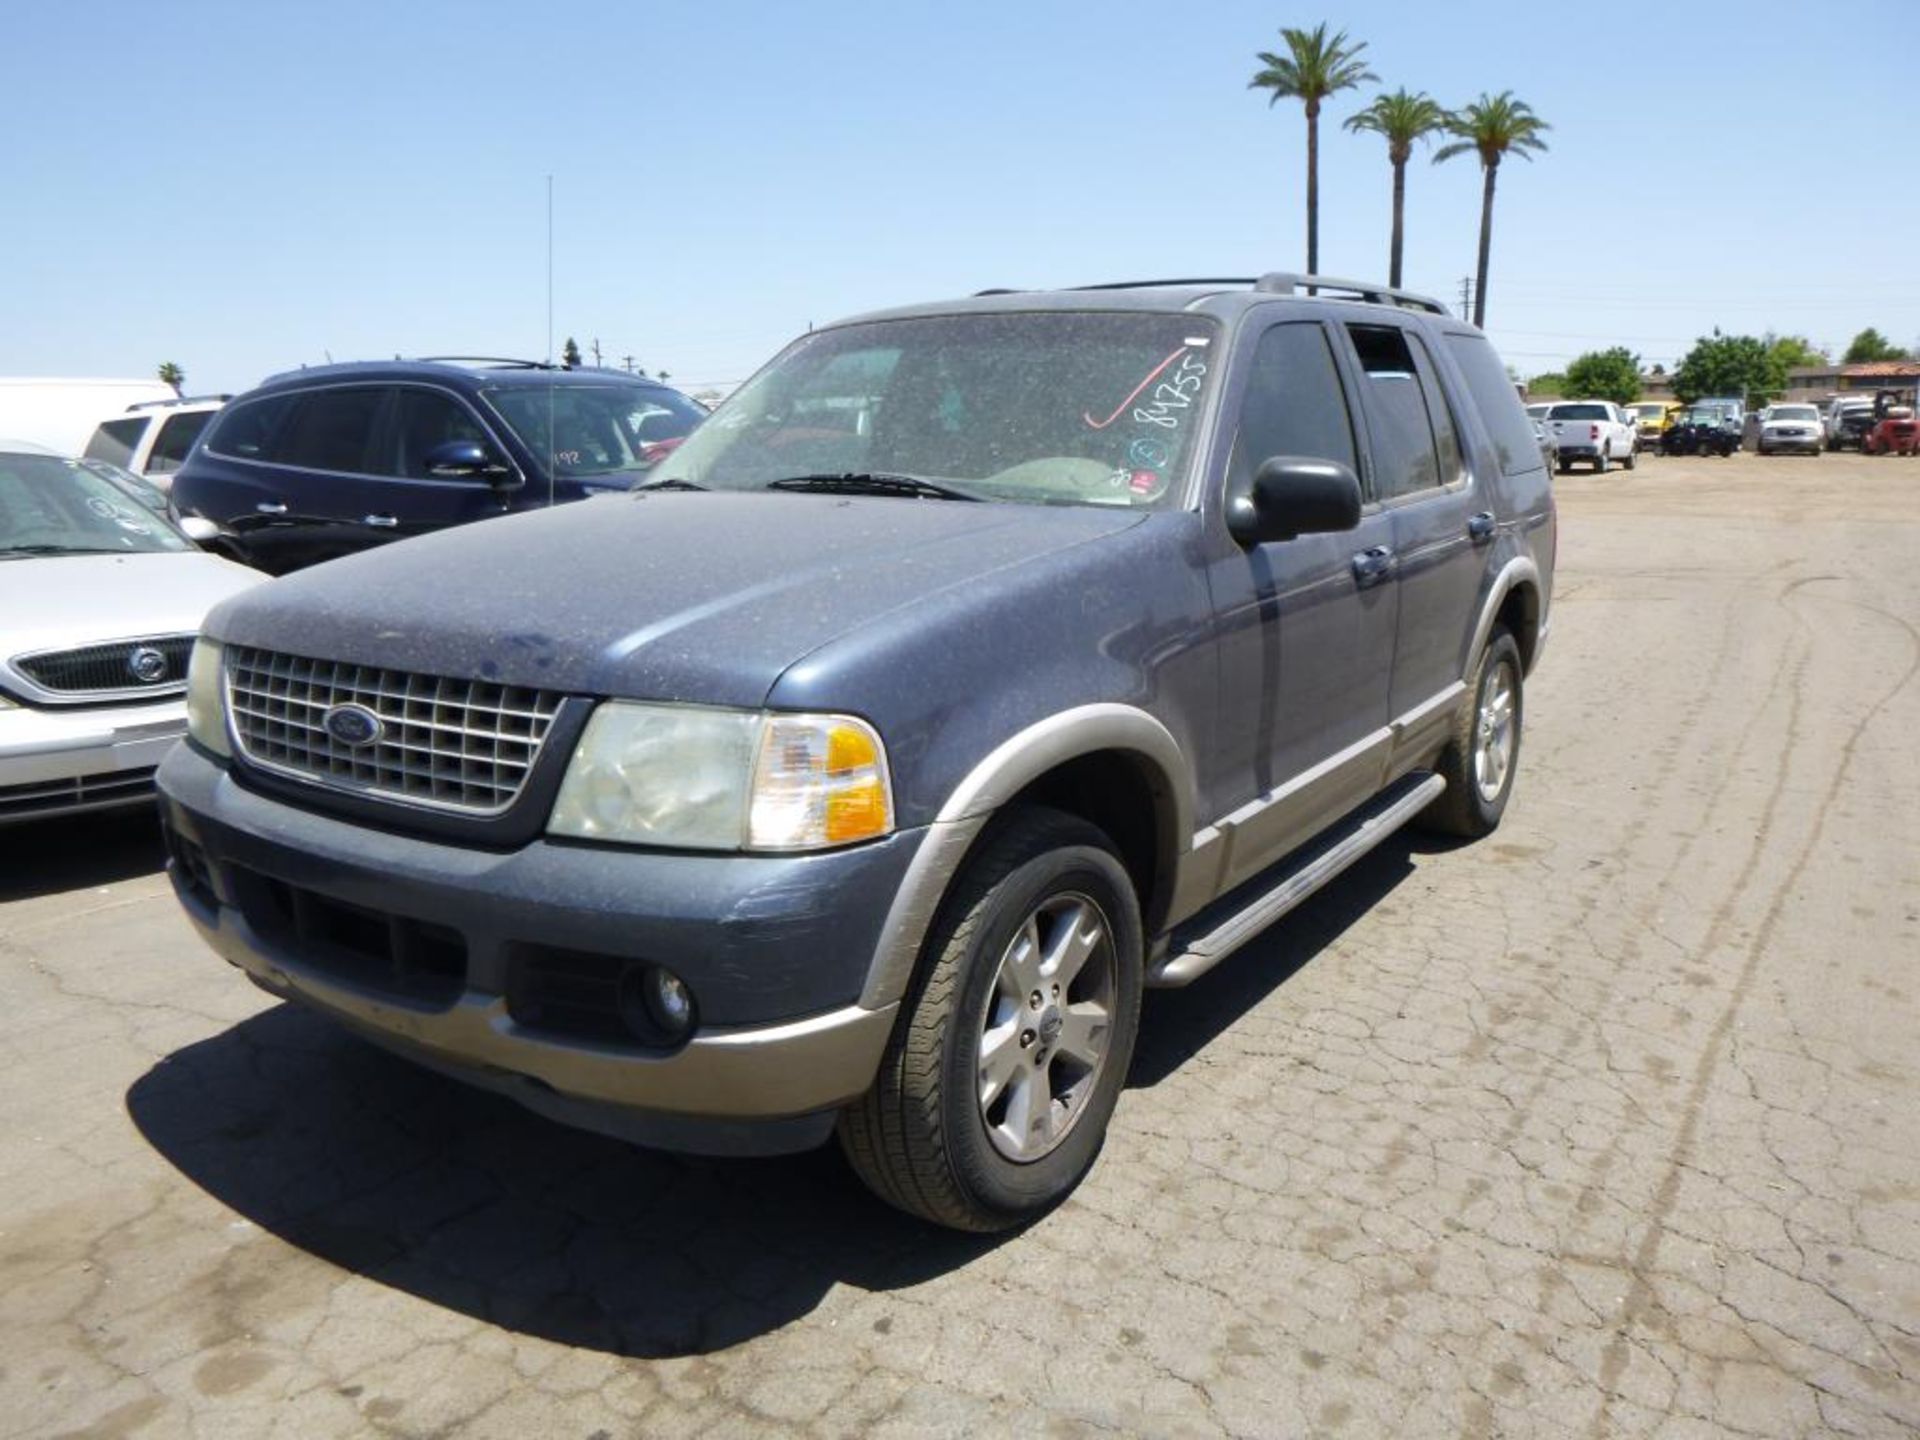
{"x": 459, "y": 745}
{"x": 155, "y": 666}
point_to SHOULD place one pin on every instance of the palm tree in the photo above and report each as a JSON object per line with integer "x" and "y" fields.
{"x": 1315, "y": 67}
{"x": 1402, "y": 119}
{"x": 171, "y": 374}
{"x": 1492, "y": 127}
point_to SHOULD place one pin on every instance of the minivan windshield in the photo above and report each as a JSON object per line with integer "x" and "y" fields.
{"x": 53, "y": 506}
{"x": 585, "y": 429}
{"x": 1028, "y": 407}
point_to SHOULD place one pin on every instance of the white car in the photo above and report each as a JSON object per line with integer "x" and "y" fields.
{"x": 1596, "y": 431}
{"x": 100, "y": 600}
{"x": 1790, "y": 427}
{"x": 152, "y": 439}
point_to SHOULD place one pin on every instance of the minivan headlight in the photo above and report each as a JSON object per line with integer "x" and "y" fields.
{"x": 206, "y": 718}
{"x": 697, "y": 778}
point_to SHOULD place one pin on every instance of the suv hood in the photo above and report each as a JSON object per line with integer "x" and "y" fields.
{"x": 705, "y": 598}
{"x": 52, "y": 602}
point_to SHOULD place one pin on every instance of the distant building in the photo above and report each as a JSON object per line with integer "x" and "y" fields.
{"x": 1822, "y": 382}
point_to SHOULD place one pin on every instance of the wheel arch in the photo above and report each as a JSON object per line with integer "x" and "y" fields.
{"x": 1113, "y": 765}
{"x": 1516, "y": 601}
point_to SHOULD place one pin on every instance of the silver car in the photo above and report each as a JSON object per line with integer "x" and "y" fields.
{"x": 100, "y": 599}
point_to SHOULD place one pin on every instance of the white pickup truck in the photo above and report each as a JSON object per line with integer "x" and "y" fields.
{"x": 1597, "y": 431}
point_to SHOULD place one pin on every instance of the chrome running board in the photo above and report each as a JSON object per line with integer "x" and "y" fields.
{"x": 1187, "y": 960}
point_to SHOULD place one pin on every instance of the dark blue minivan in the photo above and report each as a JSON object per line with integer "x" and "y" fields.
{"x": 322, "y": 462}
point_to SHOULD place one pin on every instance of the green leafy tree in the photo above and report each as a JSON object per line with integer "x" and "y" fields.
{"x": 1552, "y": 383}
{"x": 570, "y": 354}
{"x": 1401, "y": 119}
{"x": 1870, "y": 345}
{"x": 1794, "y": 350}
{"x": 1315, "y": 66}
{"x": 1492, "y": 127}
{"x": 1606, "y": 375}
{"x": 1729, "y": 365}
{"x": 171, "y": 374}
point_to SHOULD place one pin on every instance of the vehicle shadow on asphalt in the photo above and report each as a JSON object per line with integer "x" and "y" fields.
{"x": 1176, "y": 1025}
{"x": 46, "y": 857}
{"x": 465, "y": 1200}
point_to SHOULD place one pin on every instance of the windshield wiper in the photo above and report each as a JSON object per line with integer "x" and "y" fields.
{"x": 21, "y": 552}
{"x": 672, "y": 483}
{"x": 872, "y": 483}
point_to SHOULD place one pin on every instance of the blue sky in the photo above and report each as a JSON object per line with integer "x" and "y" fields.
{"x": 243, "y": 187}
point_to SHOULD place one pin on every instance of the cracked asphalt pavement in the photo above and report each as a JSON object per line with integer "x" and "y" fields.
{"x": 1603, "y": 1126}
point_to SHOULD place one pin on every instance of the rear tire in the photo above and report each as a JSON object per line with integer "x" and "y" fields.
{"x": 1600, "y": 462}
{"x": 951, "y": 1134}
{"x": 1483, "y": 756}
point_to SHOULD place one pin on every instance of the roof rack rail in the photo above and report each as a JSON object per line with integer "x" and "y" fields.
{"x": 1281, "y": 282}
{"x": 177, "y": 400}
{"x": 504, "y": 362}
{"x": 1168, "y": 284}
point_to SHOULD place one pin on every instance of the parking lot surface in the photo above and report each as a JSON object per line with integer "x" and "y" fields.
{"x": 1604, "y": 1126}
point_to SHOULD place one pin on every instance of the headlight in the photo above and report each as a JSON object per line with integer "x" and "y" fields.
{"x": 706, "y": 779}
{"x": 206, "y": 717}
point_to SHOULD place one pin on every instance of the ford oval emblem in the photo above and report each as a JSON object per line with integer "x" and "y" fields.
{"x": 353, "y": 725}
{"x": 147, "y": 665}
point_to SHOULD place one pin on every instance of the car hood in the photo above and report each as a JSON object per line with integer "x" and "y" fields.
{"x": 53, "y": 602}
{"x": 705, "y": 598}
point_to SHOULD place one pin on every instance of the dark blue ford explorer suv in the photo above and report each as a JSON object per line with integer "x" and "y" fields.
{"x": 321, "y": 462}
{"x": 974, "y": 666}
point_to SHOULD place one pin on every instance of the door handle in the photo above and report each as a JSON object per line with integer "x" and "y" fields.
{"x": 272, "y": 507}
{"x": 380, "y": 522}
{"x": 1374, "y": 567}
{"x": 1480, "y": 527}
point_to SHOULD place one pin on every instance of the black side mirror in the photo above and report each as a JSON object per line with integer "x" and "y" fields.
{"x": 1293, "y": 495}
{"x": 464, "y": 460}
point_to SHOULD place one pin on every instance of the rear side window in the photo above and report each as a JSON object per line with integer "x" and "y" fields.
{"x": 1580, "y": 412}
{"x": 1404, "y": 455}
{"x": 249, "y": 429}
{"x": 331, "y": 430}
{"x": 1294, "y": 403}
{"x": 116, "y": 440}
{"x": 1499, "y": 405}
{"x": 176, "y": 437}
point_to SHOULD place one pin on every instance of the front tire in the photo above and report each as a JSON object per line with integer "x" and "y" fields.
{"x": 1012, "y": 1047}
{"x": 1483, "y": 756}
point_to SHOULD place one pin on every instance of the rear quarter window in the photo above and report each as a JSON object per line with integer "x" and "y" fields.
{"x": 1497, "y": 401}
{"x": 175, "y": 439}
{"x": 116, "y": 440}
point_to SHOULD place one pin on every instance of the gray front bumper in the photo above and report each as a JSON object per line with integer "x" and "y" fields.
{"x": 763, "y": 1085}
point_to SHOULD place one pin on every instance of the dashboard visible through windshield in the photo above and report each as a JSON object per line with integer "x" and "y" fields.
{"x": 1041, "y": 407}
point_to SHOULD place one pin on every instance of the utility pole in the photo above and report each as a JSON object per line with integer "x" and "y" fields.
{"x": 596, "y": 352}
{"x": 626, "y": 363}
{"x": 1466, "y": 296}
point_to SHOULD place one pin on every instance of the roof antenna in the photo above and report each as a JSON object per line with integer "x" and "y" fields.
{"x": 552, "y": 461}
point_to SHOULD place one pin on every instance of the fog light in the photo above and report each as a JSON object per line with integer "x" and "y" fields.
{"x": 655, "y": 1005}
{"x": 669, "y": 1002}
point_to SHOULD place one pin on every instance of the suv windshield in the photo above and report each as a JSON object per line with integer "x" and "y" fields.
{"x": 1040, "y": 407}
{"x": 1794, "y": 412}
{"x": 610, "y": 429}
{"x": 51, "y": 506}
